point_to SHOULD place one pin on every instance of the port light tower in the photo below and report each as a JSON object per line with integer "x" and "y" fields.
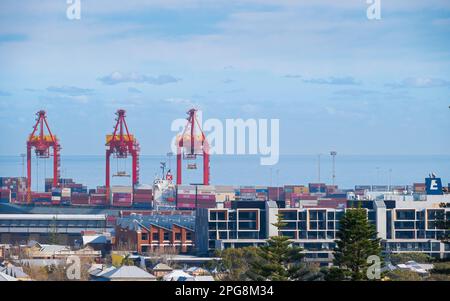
{"x": 190, "y": 145}
{"x": 42, "y": 143}
{"x": 121, "y": 144}
{"x": 333, "y": 155}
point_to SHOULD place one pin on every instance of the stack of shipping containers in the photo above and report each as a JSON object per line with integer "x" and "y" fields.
{"x": 16, "y": 186}
{"x": 5, "y": 195}
{"x": 56, "y": 196}
{"x": 143, "y": 197}
{"x": 185, "y": 198}
{"x": 122, "y": 196}
{"x": 206, "y": 196}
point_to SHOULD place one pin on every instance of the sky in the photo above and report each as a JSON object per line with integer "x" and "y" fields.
{"x": 335, "y": 79}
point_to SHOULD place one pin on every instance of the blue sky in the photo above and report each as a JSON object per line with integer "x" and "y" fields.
{"x": 334, "y": 79}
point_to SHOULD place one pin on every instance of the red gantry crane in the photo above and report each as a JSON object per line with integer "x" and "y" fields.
{"x": 190, "y": 145}
{"x": 42, "y": 144}
{"x": 121, "y": 144}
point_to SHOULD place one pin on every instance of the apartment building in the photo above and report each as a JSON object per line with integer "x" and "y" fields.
{"x": 403, "y": 225}
{"x": 144, "y": 234}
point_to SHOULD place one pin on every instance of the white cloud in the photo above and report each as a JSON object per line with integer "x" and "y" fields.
{"x": 117, "y": 77}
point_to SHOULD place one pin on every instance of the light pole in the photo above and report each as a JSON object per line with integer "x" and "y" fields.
{"x": 333, "y": 155}
{"x": 390, "y": 178}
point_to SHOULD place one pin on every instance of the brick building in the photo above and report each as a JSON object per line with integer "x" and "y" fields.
{"x": 144, "y": 234}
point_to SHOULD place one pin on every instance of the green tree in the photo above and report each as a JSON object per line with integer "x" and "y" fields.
{"x": 405, "y": 257}
{"x": 356, "y": 242}
{"x": 443, "y": 222}
{"x": 234, "y": 264}
{"x": 278, "y": 260}
{"x": 54, "y": 238}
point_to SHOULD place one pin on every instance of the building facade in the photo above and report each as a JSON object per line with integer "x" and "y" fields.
{"x": 145, "y": 234}
{"x": 402, "y": 225}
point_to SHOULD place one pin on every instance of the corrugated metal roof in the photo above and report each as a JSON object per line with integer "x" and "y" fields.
{"x": 129, "y": 272}
{"x": 52, "y": 217}
{"x": 4, "y": 277}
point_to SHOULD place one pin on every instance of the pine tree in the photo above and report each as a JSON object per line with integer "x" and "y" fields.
{"x": 278, "y": 260}
{"x": 357, "y": 240}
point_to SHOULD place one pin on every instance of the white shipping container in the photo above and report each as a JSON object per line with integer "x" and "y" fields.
{"x": 65, "y": 192}
{"x": 121, "y": 189}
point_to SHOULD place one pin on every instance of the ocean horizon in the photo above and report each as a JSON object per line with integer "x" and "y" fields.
{"x": 244, "y": 170}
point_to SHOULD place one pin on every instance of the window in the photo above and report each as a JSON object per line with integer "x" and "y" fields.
{"x": 166, "y": 235}
{"x": 248, "y": 235}
{"x": 302, "y": 225}
{"x": 404, "y": 225}
{"x": 404, "y": 234}
{"x": 177, "y": 236}
{"x": 155, "y": 236}
{"x": 247, "y": 215}
{"x": 312, "y": 234}
{"x": 188, "y": 235}
{"x": 217, "y": 215}
{"x": 289, "y": 215}
{"x": 405, "y": 214}
{"x": 435, "y": 214}
{"x": 247, "y": 226}
{"x": 331, "y": 225}
{"x": 144, "y": 236}
{"x": 330, "y": 215}
{"x": 302, "y": 215}
{"x": 289, "y": 226}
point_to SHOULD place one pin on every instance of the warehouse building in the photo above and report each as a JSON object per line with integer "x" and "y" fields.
{"x": 67, "y": 228}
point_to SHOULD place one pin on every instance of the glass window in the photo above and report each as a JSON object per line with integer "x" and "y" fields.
{"x": 312, "y": 234}
{"x": 302, "y": 225}
{"x": 322, "y": 225}
{"x": 289, "y": 215}
{"x": 404, "y": 234}
{"x": 302, "y": 215}
{"x": 331, "y": 225}
{"x": 404, "y": 225}
{"x": 405, "y": 214}
{"x": 247, "y": 215}
{"x": 330, "y": 215}
{"x": 420, "y": 215}
{"x": 289, "y": 226}
{"x": 223, "y": 235}
{"x": 247, "y": 226}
